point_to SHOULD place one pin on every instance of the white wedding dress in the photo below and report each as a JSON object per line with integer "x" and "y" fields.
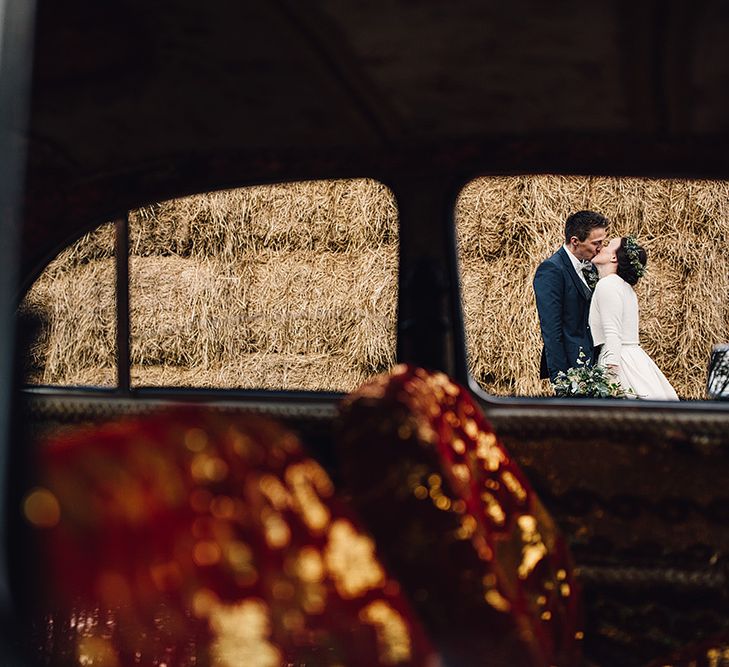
{"x": 614, "y": 325}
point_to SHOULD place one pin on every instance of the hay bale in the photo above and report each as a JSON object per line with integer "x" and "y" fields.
{"x": 339, "y": 216}
{"x": 703, "y": 321}
{"x": 187, "y": 312}
{"x": 502, "y": 330}
{"x": 152, "y": 232}
{"x": 259, "y": 371}
{"x": 661, "y": 295}
{"x": 311, "y": 303}
{"x": 333, "y": 215}
{"x": 515, "y": 216}
{"x": 190, "y": 313}
{"x": 76, "y": 305}
{"x": 198, "y": 313}
{"x": 251, "y": 371}
{"x": 483, "y": 215}
{"x": 293, "y": 303}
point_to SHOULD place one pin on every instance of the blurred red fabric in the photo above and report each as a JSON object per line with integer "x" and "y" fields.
{"x": 194, "y": 538}
{"x": 466, "y": 535}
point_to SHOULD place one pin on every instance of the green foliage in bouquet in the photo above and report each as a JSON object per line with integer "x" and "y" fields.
{"x": 588, "y": 381}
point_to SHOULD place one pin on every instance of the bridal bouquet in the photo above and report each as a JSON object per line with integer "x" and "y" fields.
{"x": 588, "y": 381}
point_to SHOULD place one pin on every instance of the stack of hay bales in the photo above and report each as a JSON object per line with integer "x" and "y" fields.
{"x": 294, "y": 286}
{"x": 508, "y": 225}
{"x": 288, "y": 286}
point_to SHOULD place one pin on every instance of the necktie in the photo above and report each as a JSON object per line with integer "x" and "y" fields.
{"x": 588, "y": 270}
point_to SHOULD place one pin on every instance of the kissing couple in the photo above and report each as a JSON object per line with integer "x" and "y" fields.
{"x": 586, "y": 304}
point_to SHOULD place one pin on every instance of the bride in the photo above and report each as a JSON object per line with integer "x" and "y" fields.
{"x": 614, "y": 320}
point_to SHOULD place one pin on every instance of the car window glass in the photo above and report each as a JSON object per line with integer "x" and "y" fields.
{"x": 507, "y": 225}
{"x": 70, "y": 311}
{"x": 288, "y": 286}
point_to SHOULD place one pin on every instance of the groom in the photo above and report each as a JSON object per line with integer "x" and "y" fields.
{"x": 563, "y": 295}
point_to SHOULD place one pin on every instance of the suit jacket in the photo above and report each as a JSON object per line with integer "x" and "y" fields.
{"x": 563, "y": 304}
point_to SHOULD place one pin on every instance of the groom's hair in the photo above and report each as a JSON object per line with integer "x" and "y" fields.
{"x": 581, "y": 223}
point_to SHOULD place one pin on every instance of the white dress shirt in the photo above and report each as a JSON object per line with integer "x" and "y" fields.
{"x": 576, "y": 263}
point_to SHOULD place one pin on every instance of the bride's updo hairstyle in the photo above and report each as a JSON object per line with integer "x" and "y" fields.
{"x": 632, "y": 260}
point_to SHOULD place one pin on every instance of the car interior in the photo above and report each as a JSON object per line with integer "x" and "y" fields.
{"x": 401, "y": 511}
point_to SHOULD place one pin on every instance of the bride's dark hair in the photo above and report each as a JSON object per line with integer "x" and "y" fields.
{"x": 632, "y": 260}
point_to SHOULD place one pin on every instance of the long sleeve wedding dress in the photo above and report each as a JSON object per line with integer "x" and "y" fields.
{"x": 614, "y": 325}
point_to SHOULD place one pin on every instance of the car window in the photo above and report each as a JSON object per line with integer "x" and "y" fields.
{"x": 71, "y": 308}
{"x": 287, "y": 286}
{"x": 507, "y": 225}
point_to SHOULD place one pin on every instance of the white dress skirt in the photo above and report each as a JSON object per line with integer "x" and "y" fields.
{"x": 614, "y": 325}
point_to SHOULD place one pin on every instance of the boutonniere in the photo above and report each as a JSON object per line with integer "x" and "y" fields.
{"x": 590, "y": 273}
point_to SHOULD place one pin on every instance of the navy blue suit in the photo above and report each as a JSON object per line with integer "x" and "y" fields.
{"x": 563, "y": 304}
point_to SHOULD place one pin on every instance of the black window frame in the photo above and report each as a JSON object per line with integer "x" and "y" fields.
{"x": 510, "y": 414}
